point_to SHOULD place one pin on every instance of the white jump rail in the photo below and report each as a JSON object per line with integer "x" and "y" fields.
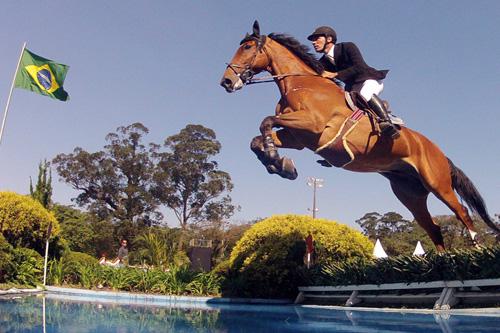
{"x": 450, "y": 295}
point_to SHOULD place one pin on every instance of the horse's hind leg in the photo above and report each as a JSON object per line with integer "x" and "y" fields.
{"x": 450, "y": 199}
{"x": 413, "y": 195}
{"x": 439, "y": 181}
{"x": 269, "y": 156}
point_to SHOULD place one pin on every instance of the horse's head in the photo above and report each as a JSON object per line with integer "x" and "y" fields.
{"x": 248, "y": 60}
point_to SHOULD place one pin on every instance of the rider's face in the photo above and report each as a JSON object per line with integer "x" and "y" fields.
{"x": 319, "y": 43}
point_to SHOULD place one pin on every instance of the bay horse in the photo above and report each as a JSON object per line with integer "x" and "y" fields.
{"x": 312, "y": 113}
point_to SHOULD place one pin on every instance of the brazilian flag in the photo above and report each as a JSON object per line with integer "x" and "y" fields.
{"x": 41, "y": 75}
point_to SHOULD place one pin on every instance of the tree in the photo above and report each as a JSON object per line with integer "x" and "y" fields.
{"x": 195, "y": 186}
{"x": 43, "y": 188}
{"x": 115, "y": 183}
{"x": 398, "y": 235}
{"x": 376, "y": 226}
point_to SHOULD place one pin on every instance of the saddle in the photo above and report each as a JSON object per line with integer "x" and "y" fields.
{"x": 336, "y": 152}
{"x": 356, "y": 102}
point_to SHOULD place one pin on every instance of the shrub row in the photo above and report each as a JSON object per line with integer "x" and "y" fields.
{"x": 483, "y": 263}
{"x": 82, "y": 270}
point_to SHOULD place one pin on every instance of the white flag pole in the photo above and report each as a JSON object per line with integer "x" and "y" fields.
{"x": 10, "y": 93}
{"x": 49, "y": 231}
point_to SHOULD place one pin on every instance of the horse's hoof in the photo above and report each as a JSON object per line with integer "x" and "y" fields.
{"x": 477, "y": 242}
{"x": 324, "y": 163}
{"x": 288, "y": 170}
{"x": 271, "y": 169}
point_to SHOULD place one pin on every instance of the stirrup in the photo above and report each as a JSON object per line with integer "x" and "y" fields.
{"x": 388, "y": 128}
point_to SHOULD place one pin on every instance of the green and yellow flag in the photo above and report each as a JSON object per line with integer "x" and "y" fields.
{"x": 42, "y": 76}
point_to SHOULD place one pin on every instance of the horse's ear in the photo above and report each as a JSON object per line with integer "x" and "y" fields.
{"x": 256, "y": 28}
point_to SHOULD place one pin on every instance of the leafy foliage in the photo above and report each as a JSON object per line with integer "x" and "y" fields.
{"x": 158, "y": 248}
{"x": 76, "y": 228}
{"x": 26, "y": 267}
{"x": 175, "y": 280}
{"x": 5, "y": 258}
{"x": 268, "y": 261}
{"x": 24, "y": 221}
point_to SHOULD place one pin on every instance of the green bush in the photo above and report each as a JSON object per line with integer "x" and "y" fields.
{"x": 268, "y": 261}
{"x": 26, "y": 267}
{"x": 80, "y": 268}
{"x": 24, "y": 221}
{"x": 73, "y": 268}
{"x": 5, "y": 258}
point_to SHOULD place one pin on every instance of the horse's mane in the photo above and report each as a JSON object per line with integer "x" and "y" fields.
{"x": 299, "y": 50}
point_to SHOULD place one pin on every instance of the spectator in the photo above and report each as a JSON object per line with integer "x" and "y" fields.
{"x": 123, "y": 253}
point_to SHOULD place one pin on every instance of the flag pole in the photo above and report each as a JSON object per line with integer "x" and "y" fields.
{"x": 10, "y": 93}
{"x": 49, "y": 231}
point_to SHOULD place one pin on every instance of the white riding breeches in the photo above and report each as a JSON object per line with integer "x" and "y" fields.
{"x": 370, "y": 88}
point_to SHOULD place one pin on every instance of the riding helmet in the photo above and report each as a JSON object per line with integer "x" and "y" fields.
{"x": 323, "y": 31}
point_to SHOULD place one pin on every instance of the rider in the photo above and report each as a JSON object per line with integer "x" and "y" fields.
{"x": 344, "y": 62}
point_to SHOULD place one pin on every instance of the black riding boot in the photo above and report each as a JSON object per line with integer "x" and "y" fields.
{"x": 386, "y": 126}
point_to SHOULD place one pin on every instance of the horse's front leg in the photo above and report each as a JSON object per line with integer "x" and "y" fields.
{"x": 266, "y": 129}
{"x": 266, "y": 151}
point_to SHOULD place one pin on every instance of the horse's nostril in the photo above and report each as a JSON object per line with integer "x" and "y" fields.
{"x": 227, "y": 83}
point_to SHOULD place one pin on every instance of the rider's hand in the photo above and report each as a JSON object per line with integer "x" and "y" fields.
{"x": 328, "y": 75}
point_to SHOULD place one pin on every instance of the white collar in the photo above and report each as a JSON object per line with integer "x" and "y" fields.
{"x": 330, "y": 53}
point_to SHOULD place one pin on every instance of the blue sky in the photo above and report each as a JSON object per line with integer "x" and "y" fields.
{"x": 160, "y": 62}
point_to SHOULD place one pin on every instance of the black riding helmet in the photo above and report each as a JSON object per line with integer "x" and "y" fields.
{"x": 323, "y": 31}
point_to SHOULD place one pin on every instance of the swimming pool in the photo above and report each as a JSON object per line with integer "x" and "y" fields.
{"x": 63, "y": 313}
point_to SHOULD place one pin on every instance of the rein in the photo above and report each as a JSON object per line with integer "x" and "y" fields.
{"x": 246, "y": 76}
{"x": 271, "y": 78}
{"x": 249, "y": 79}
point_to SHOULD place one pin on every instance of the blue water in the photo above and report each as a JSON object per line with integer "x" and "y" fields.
{"x": 65, "y": 314}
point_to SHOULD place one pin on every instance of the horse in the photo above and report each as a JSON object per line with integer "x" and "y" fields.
{"x": 312, "y": 113}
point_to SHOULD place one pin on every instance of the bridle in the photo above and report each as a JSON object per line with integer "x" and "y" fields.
{"x": 247, "y": 75}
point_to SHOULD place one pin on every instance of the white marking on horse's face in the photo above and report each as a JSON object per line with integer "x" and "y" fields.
{"x": 238, "y": 85}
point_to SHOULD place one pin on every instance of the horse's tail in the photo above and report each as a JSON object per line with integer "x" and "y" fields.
{"x": 469, "y": 193}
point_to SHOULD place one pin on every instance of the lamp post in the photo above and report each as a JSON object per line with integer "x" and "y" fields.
{"x": 314, "y": 183}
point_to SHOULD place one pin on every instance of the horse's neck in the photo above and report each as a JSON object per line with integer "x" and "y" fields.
{"x": 283, "y": 63}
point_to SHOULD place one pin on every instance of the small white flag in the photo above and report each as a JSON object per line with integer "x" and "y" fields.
{"x": 378, "y": 251}
{"x": 419, "y": 250}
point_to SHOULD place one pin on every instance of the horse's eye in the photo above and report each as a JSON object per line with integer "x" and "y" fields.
{"x": 247, "y": 46}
